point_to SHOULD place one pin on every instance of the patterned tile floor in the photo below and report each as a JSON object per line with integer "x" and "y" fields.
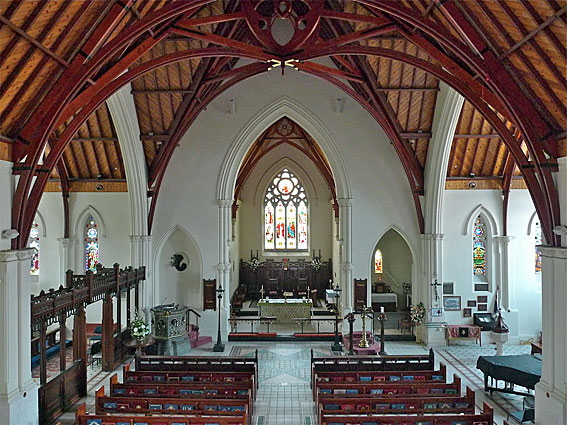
{"x": 284, "y": 396}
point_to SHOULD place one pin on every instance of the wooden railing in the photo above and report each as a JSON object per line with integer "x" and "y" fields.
{"x": 81, "y": 290}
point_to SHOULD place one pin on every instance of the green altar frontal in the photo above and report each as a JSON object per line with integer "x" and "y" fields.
{"x": 286, "y": 311}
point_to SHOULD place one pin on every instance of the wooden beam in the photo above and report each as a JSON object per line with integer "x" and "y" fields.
{"x": 157, "y": 137}
{"x": 157, "y": 91}
{"x": 534, "y": 32}
{"x": 95, "y": 139}
{"x": 33, "y": 41}
{"x": 476, "y": 136}
{"x": 409, "y": 89}
{"x": 415, "y": 135}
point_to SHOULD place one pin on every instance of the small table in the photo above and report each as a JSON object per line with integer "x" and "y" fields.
{"x": 463, "y": 332}
{"x": 138, "y": 345}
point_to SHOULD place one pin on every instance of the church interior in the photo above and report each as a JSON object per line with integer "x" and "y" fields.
{"x": 263, "y": 212}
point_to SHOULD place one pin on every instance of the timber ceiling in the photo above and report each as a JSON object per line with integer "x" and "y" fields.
{"x": 496, "y": 50}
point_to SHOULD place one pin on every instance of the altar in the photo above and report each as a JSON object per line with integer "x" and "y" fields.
{"x": 285, "y": 311}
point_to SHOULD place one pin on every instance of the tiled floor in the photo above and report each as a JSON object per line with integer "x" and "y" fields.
{"x": 284, "y": 396}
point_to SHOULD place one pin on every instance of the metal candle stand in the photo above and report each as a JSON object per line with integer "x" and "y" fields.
{"x": 363, "y": 343}
{"x": 350, "y": 317}
{"x": 219, "y": 346}
{"x": 337, "y": 344}
{"x": 382, "y": 319}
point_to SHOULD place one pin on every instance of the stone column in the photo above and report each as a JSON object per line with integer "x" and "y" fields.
{"x": 140, "y": 255}
{"x": 65, "y": 256}
{"x": 345, "y": 243}
{"x": 433, "y": 331}
{"x": 551, "y": 390}
{"x": 18, "y": 392}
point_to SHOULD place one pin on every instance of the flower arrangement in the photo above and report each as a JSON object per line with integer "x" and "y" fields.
{"x": 139, "y": 328}
{"x": 254, "y": 263}
{"x": 417, "y": 313}
{"x": 316, "y": 263}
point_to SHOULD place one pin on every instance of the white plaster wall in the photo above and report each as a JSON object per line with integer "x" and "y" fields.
{"x": 380, "y": 191}
{"x": 457, "y": 256}
{"x": 251, "y": 212}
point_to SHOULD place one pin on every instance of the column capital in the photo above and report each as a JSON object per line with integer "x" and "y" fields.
{"x": 65, "y": 242}
{"x": 225, "y": 203}
{"x": 504, "y": 240}
{"x": 559, "y": 252}
{"x": 346, "y": 266}
{"x": 344, "y": 202}
{"x": 223, "y": 267}
{"x": 15, "y": 255}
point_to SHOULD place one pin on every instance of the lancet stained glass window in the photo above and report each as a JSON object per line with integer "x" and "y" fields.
{"x": 538, "y": 241}
{"x": 479, "y": 247}
{"x": 378, "y": 262}
{"x": 285, "y": 214}
{"x": 33, "y": 242}
{"x": 91, "y": 245}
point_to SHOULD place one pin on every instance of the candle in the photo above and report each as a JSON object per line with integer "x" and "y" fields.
{"x": 381, "y": 309}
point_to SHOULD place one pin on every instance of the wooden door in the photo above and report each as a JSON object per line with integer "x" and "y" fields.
{"x": 209, "y": 294}
{"x": 359, "y": 294}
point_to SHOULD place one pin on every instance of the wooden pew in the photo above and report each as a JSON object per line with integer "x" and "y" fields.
{"x": 244, "y": 378}
{"x": 401, "y": 389}
{"x": 190, "y": 390}
{"x": 370, "y": 363}
{"x": 484, "y": 418}
{"x": 82, "y": 418}
{"x": 386, "y": 405}
{"x": 170, "y": 405}
{"x": 198, "y": 364}
{"x": 389, "y": 377}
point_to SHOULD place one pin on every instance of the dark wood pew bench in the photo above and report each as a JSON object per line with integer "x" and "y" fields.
{"x": 191, "y": 390}
{"x": 484, "y": 418}
{"x": 401, "y": 389}
{"x": 82, "y": 418}
{"x": 385, "y": 405}
{"x": 171, "y": 405}
{"x": 371, "y": 363}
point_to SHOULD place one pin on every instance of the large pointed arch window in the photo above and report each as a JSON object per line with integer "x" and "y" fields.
{"x": 378, "y": 267}
{"x": 33, "y": 242}
{"x": 91, "y": 245}
{"x": 479, "y": 247}
{"x": 286, "y": 223}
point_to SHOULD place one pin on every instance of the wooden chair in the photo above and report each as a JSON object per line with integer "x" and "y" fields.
{"x": 272, "y": 288}
{"x": 301, "y": 290}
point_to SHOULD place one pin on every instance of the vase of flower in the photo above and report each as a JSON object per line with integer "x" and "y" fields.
{"x": 139, "y": 329}
{"x": 417, "y": 316}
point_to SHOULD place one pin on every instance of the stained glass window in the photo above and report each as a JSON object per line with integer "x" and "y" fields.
{"x": 538, "y": 241}
{"x": 91, "y": 245}
{"x": 378, "y": 268}
{"x": 285, "y": 214}
{"x": 33, "y": 242}
{"x": 479, "y": 247}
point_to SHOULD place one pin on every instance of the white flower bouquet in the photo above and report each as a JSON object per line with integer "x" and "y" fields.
{"x": 254, "y": 264}
{"x": 417, "y": 313}
{"x": 316, "y": 263}
{"x": 139, "y": 329}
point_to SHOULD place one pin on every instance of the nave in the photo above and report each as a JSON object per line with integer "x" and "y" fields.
{"x": 284, "y": 396}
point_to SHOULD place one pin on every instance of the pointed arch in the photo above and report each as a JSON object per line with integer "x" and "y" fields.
{"x": 42, "y": 227}
{"x": 157, "y": 254}
{"x": 491, "y": 221}
{"x": 267, "y": 116}
{"x": 533, "y": 218}
{"x": 406, "y": 239}
{"x": 88, "y": 211}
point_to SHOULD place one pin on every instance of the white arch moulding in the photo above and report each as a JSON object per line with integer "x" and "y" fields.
{"x": 153, "y": 295}
{"x": 89, "y": 210}
{"x": 415, "y": 288}
{"x": 492, "y": 222}
{"x": 42, "y": 227}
